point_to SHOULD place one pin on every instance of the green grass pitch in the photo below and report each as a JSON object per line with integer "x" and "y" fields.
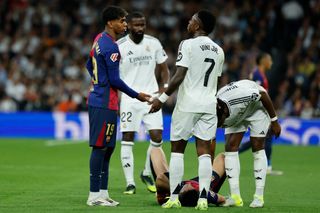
{"x": 36, "y": 176}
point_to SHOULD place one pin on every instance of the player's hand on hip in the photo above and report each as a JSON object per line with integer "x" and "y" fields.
{"x": 156, "y": 105}
{"x": 144, "y": 97}
{"x": 276, "y": 128}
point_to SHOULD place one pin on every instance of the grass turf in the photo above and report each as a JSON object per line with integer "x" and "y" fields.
{"x": 37, "y": 177}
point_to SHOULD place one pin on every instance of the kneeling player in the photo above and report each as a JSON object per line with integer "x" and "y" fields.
{"x": 189, "y": 189}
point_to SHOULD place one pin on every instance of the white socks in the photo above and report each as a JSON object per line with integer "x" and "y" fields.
{"x": 204, "y": 172}
{"x": 176, "y": 170}
{"x": 104, "y": 194}
{"x": 94, "y": 195}
{"x": 232, "y": 165}
{"x": 260, "y": 166}
{"x": 127, "y": 161}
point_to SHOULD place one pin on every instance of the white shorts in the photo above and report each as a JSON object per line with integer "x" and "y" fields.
{"x": 132, "y": 114}
{"x": 258, "y": 123}
{"x": 186, "y": 124}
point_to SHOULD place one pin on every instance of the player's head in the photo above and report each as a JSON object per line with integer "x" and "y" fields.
{"x": 114, "y": 18}
{"x": 222, "y": 112}
{"x": 264, "y": 59}
{"x": 203, "y": 20}
{"x": 136, "y": 26}
{"x": 188, "y": 195}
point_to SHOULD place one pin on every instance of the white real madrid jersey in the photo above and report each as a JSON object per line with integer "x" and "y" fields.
{"x": 204, "y": 60}
{"x": 138, "y": 62}
{"x": 242, "y": 98}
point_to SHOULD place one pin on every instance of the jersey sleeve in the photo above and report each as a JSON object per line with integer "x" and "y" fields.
{"x": 183, "y": 58}
{"x": 221, "y": 62}
{"x": 161, "y": 55}
{"x": 254, "y": 90}
{"x": 112, "y": 58}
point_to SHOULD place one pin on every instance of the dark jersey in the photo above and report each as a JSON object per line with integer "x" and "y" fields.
{"x": 103, "y": 67}
{"x": 260, "y": 78}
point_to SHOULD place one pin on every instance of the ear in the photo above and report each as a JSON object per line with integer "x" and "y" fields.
{"x": 110, "y": 24}
{"x": 197, "y": 26}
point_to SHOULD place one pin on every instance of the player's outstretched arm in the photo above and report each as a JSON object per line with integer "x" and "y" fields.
{"x": 267, "y": 103}
{"x": 173, "y": 85}
{"x": 143, "y": 97}
{"x": 116, "y": 82}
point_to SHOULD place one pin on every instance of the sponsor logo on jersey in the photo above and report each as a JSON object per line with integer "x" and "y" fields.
{"x": 114, "y": 57}
{"x": 179, "y": 56}
{"x": 140, "y": 59}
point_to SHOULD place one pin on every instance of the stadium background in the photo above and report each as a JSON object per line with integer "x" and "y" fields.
{"x": 44, "y": 45}
{"x": 43, "y": 87}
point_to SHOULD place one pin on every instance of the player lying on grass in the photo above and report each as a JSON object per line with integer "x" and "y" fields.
{"x": 189, "y": 189}
{"x": 241, "y": 105}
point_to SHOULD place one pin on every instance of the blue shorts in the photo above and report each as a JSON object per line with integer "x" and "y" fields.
{"x": 103, "y": 127}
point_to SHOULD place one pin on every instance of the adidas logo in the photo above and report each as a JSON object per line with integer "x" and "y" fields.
{"x": 229, "y": 177}
{"x": 127, "y": 165}
{"x": 262, "y": 133}
{"x": 258, "y": 178}
{"x": 130, "y": 53}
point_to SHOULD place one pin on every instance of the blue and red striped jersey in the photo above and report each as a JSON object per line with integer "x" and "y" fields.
{"x": 260, "y": 78}
{"x": 103, "y": 67}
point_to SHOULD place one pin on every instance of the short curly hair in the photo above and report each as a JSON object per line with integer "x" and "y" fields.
{"x": 208, "y": 20}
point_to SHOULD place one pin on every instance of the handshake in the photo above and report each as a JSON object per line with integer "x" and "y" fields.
{"x": 155, "y": 103}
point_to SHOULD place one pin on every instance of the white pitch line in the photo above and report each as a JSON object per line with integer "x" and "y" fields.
{"x": 63, "y": 142}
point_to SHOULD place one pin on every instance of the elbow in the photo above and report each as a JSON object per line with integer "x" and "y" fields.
{"x": 114, "y": 82}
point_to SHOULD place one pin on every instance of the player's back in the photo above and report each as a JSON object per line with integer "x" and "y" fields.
{"x": 242, "y": 98}
{"x": 204, "y": 60}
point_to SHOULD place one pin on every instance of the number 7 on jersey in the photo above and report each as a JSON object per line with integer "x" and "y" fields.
{"x": 208, "y": 72}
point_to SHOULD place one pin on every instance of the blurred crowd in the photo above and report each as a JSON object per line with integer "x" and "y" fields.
{"x": 44, "y": 46}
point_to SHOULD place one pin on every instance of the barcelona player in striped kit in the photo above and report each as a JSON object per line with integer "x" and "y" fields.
{"x": 103, "y": 67}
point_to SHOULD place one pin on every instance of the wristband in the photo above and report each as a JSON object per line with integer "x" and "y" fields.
{"x": 274, "y": 118}
{"x": 163, "y": 97}
{"x": 165, "y": 85}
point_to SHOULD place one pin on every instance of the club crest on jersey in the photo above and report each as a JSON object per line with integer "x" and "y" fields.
{"x": 147, "y": 48}
{"x": 114, "y": 57}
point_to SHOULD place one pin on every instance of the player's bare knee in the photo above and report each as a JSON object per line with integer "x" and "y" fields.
{"x": 257, "y": 144}
{"x": 156, "y": 135}
{"x": 128, "y": 136}
{"x": 178, "y": 146}
{"x": 230, "y": 147}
